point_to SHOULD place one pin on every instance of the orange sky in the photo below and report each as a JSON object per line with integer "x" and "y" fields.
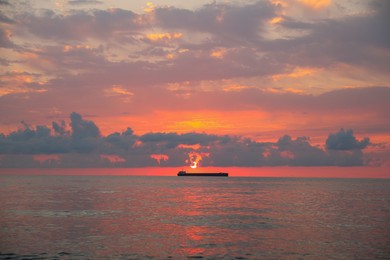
{"x": 294, "y": 172}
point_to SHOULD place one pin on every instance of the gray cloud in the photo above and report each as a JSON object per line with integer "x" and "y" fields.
{"x": 5, "y": 41}
{"x": 83, "y": 146}
{"x": 172, "y": 140}
{"x": 85, "y": 134}
{"x": 236, "y": 28}
{"x": 345, "y": 140}
{"x": 82, "y": 128}
{"x": 349, "y": 39}
{"x": 339, "y": 105}
{"x": 33, "y": 141}
{"x": 59, "y": 128}
{"x": 79, "y": 25}
{"x": 84, "y": 2}
{"x": 5, "y": 19}
{"x": 237, "y": 22}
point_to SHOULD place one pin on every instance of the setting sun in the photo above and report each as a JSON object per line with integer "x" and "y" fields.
{"x": 193, "y": 165}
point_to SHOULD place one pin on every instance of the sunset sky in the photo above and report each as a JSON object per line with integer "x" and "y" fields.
{"x": 88, "y": 83}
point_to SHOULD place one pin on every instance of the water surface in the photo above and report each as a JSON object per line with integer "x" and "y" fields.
{"x": 128, "y": 217}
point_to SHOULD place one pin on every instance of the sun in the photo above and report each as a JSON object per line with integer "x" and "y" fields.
{"x": 194, "y": 165}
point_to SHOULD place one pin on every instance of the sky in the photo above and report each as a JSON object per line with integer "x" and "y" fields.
{"x": 88, "y": 83}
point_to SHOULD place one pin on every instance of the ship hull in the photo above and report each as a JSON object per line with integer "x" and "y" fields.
{"x": 204, "y": 174}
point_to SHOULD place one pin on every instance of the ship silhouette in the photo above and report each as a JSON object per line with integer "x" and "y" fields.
{"x": 203, "y": 174}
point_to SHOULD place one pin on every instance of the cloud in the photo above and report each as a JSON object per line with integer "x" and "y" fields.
{"x": 83, "y": 146}
{"x": 80, "y": 25}
{"x": 250, "y": 110}
{"x": 235, "y": 22}
{"x": 191, "y": 50}
{"x": 172, "y": 140}
{"x": 5, "y": 19}
{"x": 316, "y": 4}
{"x": 5, "y": 39}
{"x": 85, "y": 134}
{"x": 345, "y": 140}
{"x": 84, "y": 2}
{"x": 83, "y": 128}
{"x": 348, "y": 39}
{"x": 59, "y": 128}
{"x": 29, "y": 140}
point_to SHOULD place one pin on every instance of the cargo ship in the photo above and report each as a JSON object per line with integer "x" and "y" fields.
{"x": 205, "y": 174}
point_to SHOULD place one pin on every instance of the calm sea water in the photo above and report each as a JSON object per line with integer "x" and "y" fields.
{"x": 128, "y": 217}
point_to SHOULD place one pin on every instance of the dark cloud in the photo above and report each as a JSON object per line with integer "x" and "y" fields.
{"x": 237, "y": 29}
{"x": 84, "y": 2}
{"x": 121, "y": 141}
{"x": 339, "y": 106}
{"x": 5, "y": 19}
{"x": 5, "y": 41}
{"x": 4, "y": 62}
{"x": 83, "y": 128}
{"x": 349, "y": 39}
{"x": 344, "y": 140}
{"x": 80, "y": 25}
{"x": 59, "y": 128}
{"x": 82, "y": 53}
{"x": 76, "y": 65}
{"x": 172, "y": 140}
{"x": 83, "y": 146}
{"x": 234, "y": 22}
{"x": 237, "y": 22}
{"x": 29, "y": 140}
{"x": 4, "y": 2}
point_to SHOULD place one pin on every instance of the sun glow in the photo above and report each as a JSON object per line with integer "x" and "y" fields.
{"x": 194, "y": 165}
{"x": 149, "y": 7}
{"x": 195, "y": 158}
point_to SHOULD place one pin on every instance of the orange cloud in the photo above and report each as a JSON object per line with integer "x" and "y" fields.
{"x": 170, "y": 56}
{"x": 276, "y": 20}
{"x": 219, "y": 53}
{"x": 19, "y": 90}
{"x": 159, "y": 157}
{"x": 112, "y": 158}
{"x": 163, "y": 36}
{"x": 120, "y": 91}
{"x": 296, "y": 73}
{"x": 316, "y": 4}
{"x": 17, "y": 82}
{"x": 187, "y": 146}
{"x": 236, "y": 88}
{"x": 68, "y": 48}
{"x": 42, "y": 158}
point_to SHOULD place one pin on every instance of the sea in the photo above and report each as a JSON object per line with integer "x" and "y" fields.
{"x": 170, "y": 217}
